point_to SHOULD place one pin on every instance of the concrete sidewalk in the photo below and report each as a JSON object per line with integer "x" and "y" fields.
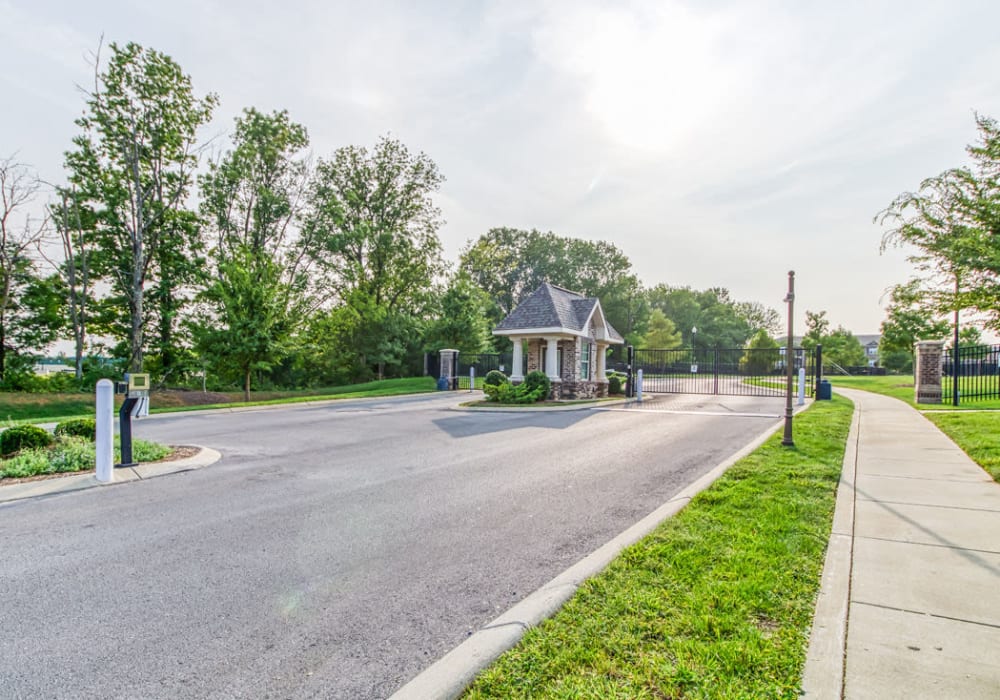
{"x": 910, "y": 600}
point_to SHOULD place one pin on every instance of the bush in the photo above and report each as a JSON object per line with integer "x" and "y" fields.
{"x": 27, "y": 463}
{"x": 495, "y": 378}
{"x": 72, "y": 454}
{"x": 614, "y": 384}
{"x": 23, "y": 437}
{"x": 538, "y": 380}
{"x": 77, "y": 427}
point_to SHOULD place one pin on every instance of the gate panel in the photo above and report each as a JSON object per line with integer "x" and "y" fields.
{"x": 730, "y": 372}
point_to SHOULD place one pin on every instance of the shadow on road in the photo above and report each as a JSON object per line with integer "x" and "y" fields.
{"x": 472, "y": 424}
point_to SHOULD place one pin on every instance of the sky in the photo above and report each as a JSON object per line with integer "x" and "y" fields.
{"x": 717, "y": 144}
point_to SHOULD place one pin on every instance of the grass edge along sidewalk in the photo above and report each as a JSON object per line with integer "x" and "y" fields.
{"x": 716, "y": 602}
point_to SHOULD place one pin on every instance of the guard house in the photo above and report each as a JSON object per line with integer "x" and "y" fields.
{"x": 567, "y": 337}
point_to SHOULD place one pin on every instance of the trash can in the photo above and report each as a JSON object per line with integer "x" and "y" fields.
{"x": 442, "y": 383}
{"x": 825, "y": 392}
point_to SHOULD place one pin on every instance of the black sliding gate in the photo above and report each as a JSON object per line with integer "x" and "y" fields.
{"x": 731, "y": 372}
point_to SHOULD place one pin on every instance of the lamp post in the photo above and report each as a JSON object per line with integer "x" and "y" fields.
{"x": 786, "y": 439}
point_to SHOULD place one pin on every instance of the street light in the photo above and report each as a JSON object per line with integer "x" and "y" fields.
{"x": 789, "y": 364}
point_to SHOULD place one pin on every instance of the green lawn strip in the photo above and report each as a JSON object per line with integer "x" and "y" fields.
{"x": 17, "y": 408}
{"x": 978, "y": 434}
{"x": 901, "y": 387}
{"x": 716, "y": 603}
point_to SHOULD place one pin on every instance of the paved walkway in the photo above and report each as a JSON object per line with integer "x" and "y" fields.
{"x": 910, "y": 601}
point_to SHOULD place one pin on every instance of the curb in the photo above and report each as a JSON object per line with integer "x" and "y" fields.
{"x": 122, "y": 475}
{"x": 823, "y": 675}
{"x": 448, "y": 677}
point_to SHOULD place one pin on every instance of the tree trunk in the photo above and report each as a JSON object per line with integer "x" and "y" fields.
{"x": 246, "y": 384}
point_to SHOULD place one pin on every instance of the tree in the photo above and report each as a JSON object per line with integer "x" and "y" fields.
{"x": 509, "y": 264}
{"x": 371, "y": 229}
{"x": 28, "y": 320}
{"x": 908, "y": 319}
{"x": 661, "y": 333}
{"x": 74, "y": 225}
{"x": 261, "y": 290}
{"x": 816, "y": 329}
{"x": 762, "y": 354}
{"x": 251, "y": 324}
{"x": 953, "y": 222}
{"x": 716, "y": 316}
{"x": 462, "y": 322}
{"x": 840, "y": 347}
{"x": 759, "y": 317}
{"x": 134, "y": 163}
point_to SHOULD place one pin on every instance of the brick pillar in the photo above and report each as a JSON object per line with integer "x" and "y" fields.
{"x": 927, "y": 371}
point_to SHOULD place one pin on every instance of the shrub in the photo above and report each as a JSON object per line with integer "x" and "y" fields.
{"x": 536, "y": 380}
{"x": 72, "y": 454}
{"x": 22, "y": 437}
{"x": 77, "y": 427}
{"x": 614, "y": 384}
{"x": 27, "y": 463}
{"x": 145, "y": 451}
{"x": 495, "y": 378}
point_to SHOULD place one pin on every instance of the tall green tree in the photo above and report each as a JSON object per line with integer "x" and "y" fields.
{"x": 817, "y": 326}
{"x": 952, "y": 224}
{"x": 706, "y": 319}
{"x": 509, "y": 264}
{"x": 661, "y": 333}
{"x": 134, "y": 163}
{"x": 372, "y": 231}
{"x": 462, "y": 322}
{"x": 762, "y": 354}
{"x": 260, "y": 291}
{"x": 842, "y": 348}
{"x": 908, "y": 319}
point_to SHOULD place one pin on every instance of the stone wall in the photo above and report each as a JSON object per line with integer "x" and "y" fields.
{"x": 568, "y": 391}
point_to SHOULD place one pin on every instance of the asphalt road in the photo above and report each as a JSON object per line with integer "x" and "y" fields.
{"x": 335, "y": 551}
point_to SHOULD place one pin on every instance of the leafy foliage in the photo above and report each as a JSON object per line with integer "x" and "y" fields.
{"x": 77, "y": 427}
{"x": 661, "y": 333}
{"x": 952, "y": 223}
{"x": 615, "y": 384}
{"x": 534, "y": 388}
{"x": 22, "y": 437}
{"x": 494, "y": 378}
{"x": 762, "y": 354}
{"x": 133, "y": 163}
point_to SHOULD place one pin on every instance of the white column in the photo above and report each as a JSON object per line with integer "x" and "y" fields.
{"x": 602, "y": 365}
{"x": 516, "y": 363}
{"x": 105, "y": 434}
{"x": 552, "y": 359}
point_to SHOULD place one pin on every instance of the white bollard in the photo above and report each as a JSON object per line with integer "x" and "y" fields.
{"x": 472, "y": 379}
{"x": 802, "y": 386}
{"x": 638, "y": 385}
{"x": 105, "y": 433}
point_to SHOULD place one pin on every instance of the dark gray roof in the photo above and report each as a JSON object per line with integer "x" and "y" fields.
{"x": 550, "y": 306}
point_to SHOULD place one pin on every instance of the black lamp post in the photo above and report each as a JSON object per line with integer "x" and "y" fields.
{"x": 787, "y": 440}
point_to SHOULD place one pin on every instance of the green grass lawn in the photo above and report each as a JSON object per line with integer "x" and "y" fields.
{"x": 717, "y": 602}
{"x": 26, "y": 408}
{"x": 901, "y": 387}
{"x": 978, "y": 434}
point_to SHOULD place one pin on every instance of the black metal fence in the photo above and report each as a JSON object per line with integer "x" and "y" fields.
{"x": 732, "y": 372}
{"x": 482, "y": 363}
{"x": 975, "y": 374}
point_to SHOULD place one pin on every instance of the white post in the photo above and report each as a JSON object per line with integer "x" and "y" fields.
{"x": 517, "y": 362}
{"x": 472, "y": 378}
{"x": 802, "y": 386}
{"x": 552, "y": 359}
{"x": 638, "y": 385}
{"x": 105, "y": 431}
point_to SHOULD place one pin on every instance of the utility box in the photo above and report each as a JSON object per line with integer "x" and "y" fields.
{"x": 825, "y": 391}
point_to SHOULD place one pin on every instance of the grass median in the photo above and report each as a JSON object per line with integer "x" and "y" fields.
{"x": 18, "y": 407}
{"x": 716, "y": 603}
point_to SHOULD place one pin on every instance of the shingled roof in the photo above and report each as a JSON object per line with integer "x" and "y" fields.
{"x": 550, "y": 307}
